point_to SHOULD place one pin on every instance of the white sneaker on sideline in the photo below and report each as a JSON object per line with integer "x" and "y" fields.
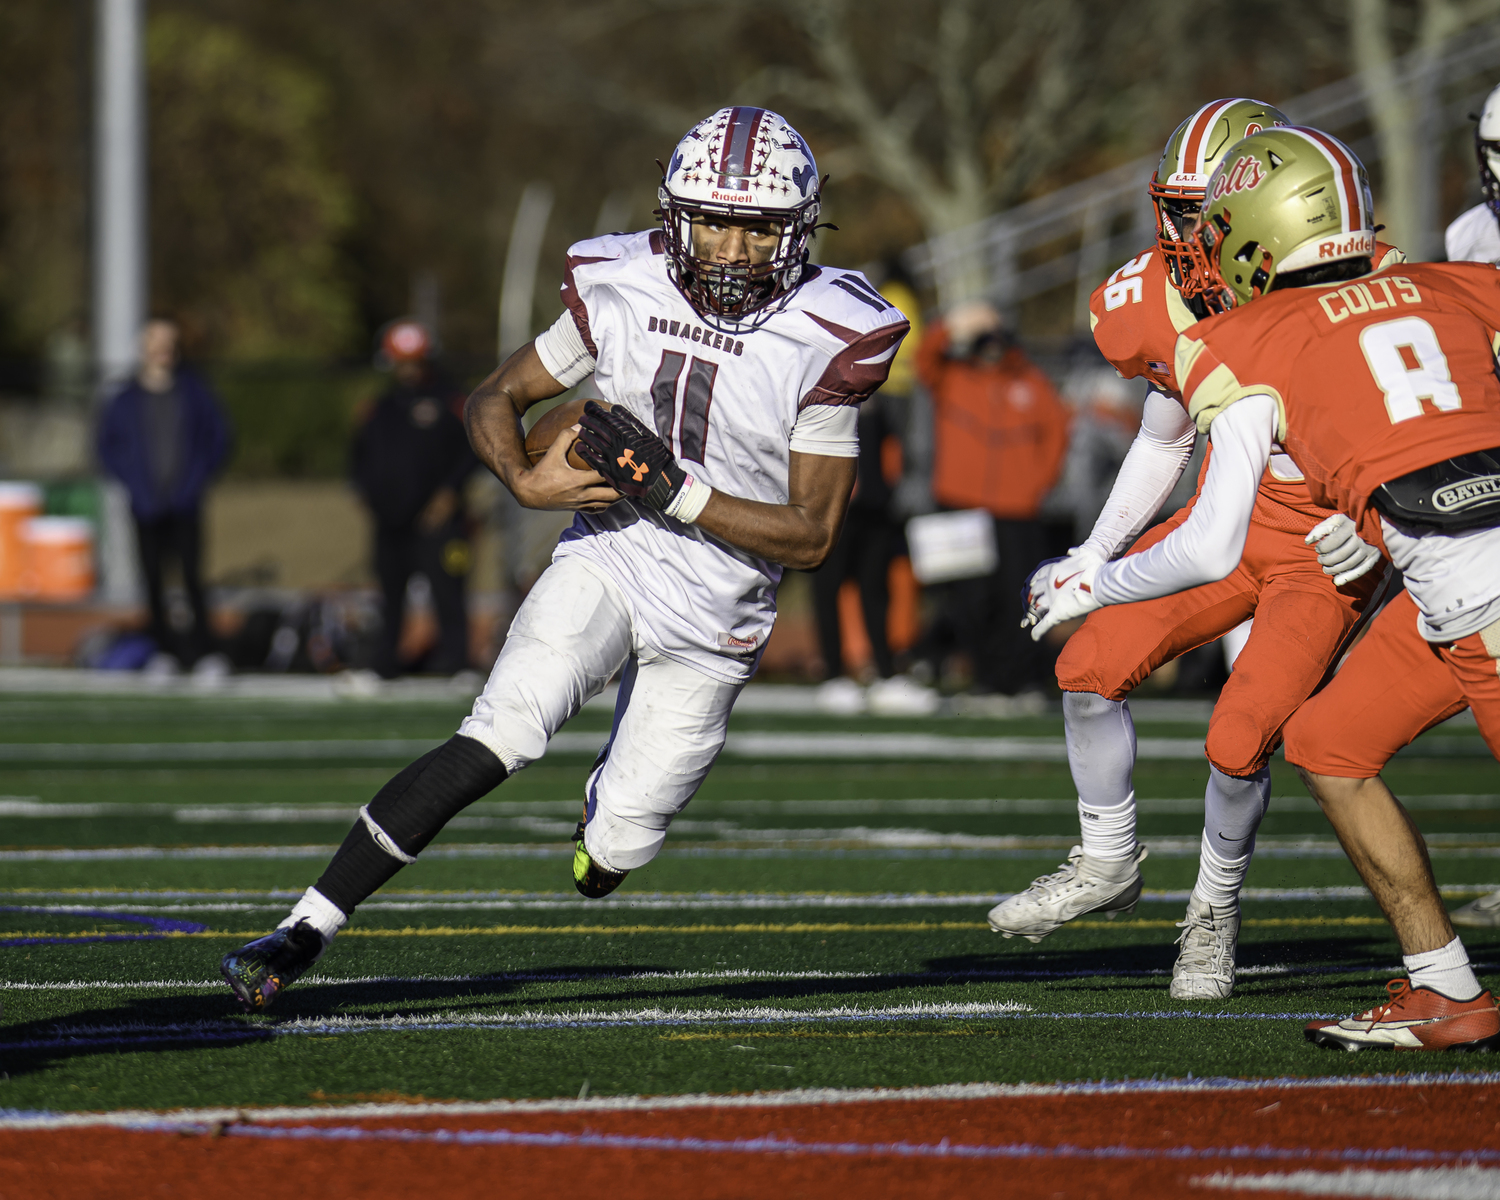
{"x": 1204, "y": 969}
{"x": 357, "y": 682}
{"x": 161, "y": 665}
{"x": 901, "y": 696}
{"x": 1483, "y": 913}
{"x": 212, "y": 668}
{"x": 1074, "y": 890}
{"x": 998, "y": 706}
{"x": 841, "y": 697}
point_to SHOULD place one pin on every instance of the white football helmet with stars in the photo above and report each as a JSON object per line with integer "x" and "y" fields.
{"x": 747, "y": 163}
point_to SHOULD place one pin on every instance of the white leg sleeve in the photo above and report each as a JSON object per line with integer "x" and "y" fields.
{"x": 1101, "y": 752}
{"x": 670, "y": 723}
{"x": 570, "y": 636}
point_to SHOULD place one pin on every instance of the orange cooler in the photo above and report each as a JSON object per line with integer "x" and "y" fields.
{"x": 59, "y": 553}
{"x": 19, "y": 503}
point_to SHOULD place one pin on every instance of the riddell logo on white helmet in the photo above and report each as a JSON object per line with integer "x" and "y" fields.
{"x": 1244, "y": 175}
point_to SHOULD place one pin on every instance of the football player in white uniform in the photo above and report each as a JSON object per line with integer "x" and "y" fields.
{"x": 734, "y": 368}
{"x": 1474, "y": 236}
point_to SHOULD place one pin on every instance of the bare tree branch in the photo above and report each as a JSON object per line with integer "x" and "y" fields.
{"x": 660, "y": 115}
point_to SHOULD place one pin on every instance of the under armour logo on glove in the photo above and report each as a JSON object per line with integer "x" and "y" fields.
{"x": 627, "y": 462}
{"x": 626, "y": 453}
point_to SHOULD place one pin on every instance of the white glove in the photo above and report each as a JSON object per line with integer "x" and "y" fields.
{"x": 1342, "y": 553}
{"x": 1070, "y": 594}
{"x": 1037, "y": 594}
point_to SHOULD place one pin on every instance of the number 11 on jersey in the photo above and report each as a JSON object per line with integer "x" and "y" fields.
{"x": 691, "y": 429}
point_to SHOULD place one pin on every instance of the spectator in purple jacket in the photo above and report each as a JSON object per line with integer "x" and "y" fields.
{"x": 164, "y": 436}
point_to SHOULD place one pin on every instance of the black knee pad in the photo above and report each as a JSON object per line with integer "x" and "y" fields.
{"x": 418, "y": 802}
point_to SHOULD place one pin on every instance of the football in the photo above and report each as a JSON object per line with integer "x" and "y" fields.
{"x": 555, "y": 423}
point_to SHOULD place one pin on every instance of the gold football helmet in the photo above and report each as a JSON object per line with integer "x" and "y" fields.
{"x": 1282, "y": 200}
{"x": 1193, "y": 151}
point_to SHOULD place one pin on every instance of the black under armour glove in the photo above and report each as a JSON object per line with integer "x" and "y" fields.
{"x": 636, "y": 462}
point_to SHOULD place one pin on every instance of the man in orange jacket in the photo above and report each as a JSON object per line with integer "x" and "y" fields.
{"x": 1000, "y": 433}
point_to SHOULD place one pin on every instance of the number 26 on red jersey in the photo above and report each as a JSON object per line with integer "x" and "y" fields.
{"x": 1409, "y": 366}
{"x": 1125, "y": 284}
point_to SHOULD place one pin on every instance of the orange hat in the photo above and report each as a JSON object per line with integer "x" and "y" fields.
{"x": 406, "y": 341}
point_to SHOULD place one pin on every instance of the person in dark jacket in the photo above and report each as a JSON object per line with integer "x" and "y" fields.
{"x": 411, "y": 459}
{"x": 164, "y": 435}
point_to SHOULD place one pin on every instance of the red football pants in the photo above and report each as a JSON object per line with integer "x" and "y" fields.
{"x": 1301, "y": 620}
{"x": 1393, "y": 686}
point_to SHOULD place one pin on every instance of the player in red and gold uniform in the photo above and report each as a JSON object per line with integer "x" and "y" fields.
{"x": 1304, "y": 614}
{"x": 1381, "y": 385}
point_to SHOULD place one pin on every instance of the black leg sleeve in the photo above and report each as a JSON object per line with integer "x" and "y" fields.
{"x": 410, "y": 810}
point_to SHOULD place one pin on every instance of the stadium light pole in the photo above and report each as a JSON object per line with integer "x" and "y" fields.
{"x": 120, "y": 252}
{"x": 119, "y": 186}
{"x": 518, "y": 286}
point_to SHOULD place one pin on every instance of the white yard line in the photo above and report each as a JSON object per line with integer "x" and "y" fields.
{"x": 765, "y": 843}
{"x": 138, "y": 1032}
{"x": 863, "y": 747}
{"x": 1471, "y": 1182}
{"x": 131, "y": 902}
{"x": 902, "y": 978}
{"x": 155, "y": 900}
{"x": 523, "y": 811}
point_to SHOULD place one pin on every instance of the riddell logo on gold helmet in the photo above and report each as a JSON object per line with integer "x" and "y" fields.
{"x": 1355, "y": 244}
{"x": 1244, "y": 175}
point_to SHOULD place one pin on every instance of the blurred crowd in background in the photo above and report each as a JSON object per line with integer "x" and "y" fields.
{"x": 338, "y": 195}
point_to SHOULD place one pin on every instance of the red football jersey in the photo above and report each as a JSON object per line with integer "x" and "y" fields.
{"x": 1373, "y": 379}
{"x": 1137, "y": 316}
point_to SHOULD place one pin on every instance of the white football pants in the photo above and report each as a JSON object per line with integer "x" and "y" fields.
{"x": 572, "y": 633}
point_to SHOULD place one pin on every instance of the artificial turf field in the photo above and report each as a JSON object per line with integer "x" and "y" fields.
{"x": 800, "y": 994}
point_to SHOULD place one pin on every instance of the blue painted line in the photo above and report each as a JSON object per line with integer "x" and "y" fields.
{"x": 772, "y": 1144}
{"x": 158, "y": 926}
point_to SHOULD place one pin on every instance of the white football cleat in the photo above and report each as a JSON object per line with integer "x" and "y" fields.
{"x": 840, "y": 697}
{"x": 1484, "y": 912}
{"x": 1075, "y": 890}
{"x": 1204, "y": 969}
{"x": 901, "y": 696}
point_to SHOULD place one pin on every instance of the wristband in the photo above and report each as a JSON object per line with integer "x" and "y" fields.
{"x": 687, "y": 506}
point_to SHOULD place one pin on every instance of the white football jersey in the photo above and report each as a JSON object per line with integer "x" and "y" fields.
{"x": 724, "y": 396}
{"x": 1474, "y": 236}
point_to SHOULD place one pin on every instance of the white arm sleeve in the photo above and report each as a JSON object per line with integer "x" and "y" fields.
{"x": 1152, "y": 467}
{"x": 563, "y": 353}
{"x": 1207, "y": 546}
{"x": 831, "y": 429}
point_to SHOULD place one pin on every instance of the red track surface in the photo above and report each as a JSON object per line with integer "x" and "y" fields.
{"x": 1159, "y": 1141}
